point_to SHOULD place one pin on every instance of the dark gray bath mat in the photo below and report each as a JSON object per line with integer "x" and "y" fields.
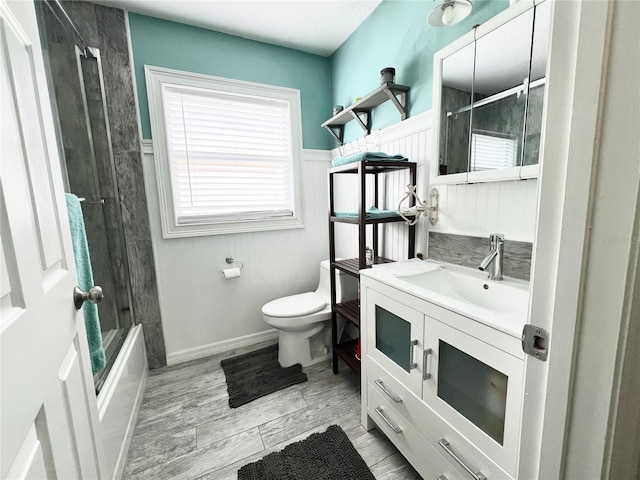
{"x": 321, "y": 456}
{"x": 256, "y": 374}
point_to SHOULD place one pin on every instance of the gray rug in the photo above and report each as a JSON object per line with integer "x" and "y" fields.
{"x": 321, "y": 456}
{"x": 256, "y": 374}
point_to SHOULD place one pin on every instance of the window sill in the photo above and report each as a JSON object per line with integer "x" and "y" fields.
{"x": 181, "y": 231}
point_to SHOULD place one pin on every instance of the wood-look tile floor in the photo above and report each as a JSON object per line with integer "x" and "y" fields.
{"x": 186, "y": 430}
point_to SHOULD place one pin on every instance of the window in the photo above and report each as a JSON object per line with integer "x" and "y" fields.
{"x": 227, "y": 153}
{"x": 491, "y": 150}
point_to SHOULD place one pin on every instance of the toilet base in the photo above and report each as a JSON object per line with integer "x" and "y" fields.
{"x": 304, "y": 348}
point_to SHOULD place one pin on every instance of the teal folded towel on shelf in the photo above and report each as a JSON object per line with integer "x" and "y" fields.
{"x": 85, "y": 281}
{"x": 373, "y": 212}
{"x": 364, "y": 156}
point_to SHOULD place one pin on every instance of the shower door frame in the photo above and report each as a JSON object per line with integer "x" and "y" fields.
{"x": 87, "y": 53}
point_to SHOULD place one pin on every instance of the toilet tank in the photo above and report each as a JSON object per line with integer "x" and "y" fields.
{"x": 346, "y": 285}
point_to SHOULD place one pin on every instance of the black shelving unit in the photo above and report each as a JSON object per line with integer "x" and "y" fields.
{"x": 361, "y": 110}
{"x": 350, "y": 310}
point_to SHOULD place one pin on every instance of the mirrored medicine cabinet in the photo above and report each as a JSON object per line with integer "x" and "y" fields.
{"x": 489, "y": 88}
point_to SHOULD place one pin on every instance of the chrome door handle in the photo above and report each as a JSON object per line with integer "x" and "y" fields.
{"x": 393, "y": 426}
{"x": 389, "y": 393}
{"x": 477, "y": 476}
{"x": 426, "y": 375}
{"x": 79, "y": 297}
{"x": 412, "y": 364}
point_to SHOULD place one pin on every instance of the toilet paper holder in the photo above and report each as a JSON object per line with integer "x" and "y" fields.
{"x": 234, "y": 272}
{"x": 230, "y": 260}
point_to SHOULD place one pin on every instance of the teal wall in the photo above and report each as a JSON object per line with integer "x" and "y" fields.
{"x": 397, "y": 34}
{"x": 182, "y": 47}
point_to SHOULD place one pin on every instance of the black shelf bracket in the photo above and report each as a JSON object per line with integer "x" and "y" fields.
{"x": 337, "y": 132}
{"x": 401, "y": 104}
{"x": 363, "y": 117}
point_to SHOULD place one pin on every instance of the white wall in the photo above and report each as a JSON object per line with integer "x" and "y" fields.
{"x": 202, "y": 313}
{"x": 480, "y": 209}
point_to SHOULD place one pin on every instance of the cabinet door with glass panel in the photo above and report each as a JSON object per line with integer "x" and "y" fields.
{"x": 476, "y": 388}
{"x": 395, "y": 339}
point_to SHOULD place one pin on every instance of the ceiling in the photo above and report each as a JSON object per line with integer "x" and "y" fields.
{"x": 314, "y": 26}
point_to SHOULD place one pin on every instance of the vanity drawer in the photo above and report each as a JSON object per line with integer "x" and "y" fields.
{"x": 415, "y": 448}
{"x": 406, "y": 402}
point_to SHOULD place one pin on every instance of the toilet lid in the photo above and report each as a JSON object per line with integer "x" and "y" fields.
{"x": 295, "y": 305}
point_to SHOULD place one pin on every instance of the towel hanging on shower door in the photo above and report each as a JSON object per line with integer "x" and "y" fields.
{"x": 85, "y": 281}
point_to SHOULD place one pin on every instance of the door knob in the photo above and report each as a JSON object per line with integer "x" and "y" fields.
{"x": 79, "y": 297}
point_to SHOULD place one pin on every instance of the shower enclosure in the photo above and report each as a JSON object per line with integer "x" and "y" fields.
{"x": 75, "y": 76}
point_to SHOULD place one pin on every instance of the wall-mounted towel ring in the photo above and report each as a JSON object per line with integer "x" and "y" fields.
{"x": 231, "y": 260}
{"x": 421, "y": 208}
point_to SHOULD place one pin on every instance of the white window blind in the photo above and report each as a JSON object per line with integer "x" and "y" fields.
{"x": 491, "y": 151}
{"x": 230, "y": 155}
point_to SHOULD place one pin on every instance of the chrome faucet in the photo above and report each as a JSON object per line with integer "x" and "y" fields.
{"x": 494, "y": 257}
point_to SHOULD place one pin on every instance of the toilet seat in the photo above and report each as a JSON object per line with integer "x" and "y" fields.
{"x": 295, "y": 305}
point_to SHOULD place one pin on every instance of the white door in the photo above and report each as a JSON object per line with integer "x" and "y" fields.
{"x": 49, "y": 415}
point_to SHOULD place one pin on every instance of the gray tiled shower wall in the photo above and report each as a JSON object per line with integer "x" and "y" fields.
{"x": 470, "y": 251}
{"x": 104, "y": 28}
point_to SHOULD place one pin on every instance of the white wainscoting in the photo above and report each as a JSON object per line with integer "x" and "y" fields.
{"x": 409, "y": 138}
{"x": 120, "y": 399}
{"x": 202, "y": 313}
{"x": 480, "y": 209}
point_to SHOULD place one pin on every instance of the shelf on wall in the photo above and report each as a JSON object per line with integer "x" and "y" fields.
{"x": 361, "y": 110}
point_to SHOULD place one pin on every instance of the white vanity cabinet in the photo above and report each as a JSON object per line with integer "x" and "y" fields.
{"x": 446, "y": 389}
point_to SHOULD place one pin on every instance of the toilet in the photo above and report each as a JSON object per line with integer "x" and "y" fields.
{"x": 303, "y": 319}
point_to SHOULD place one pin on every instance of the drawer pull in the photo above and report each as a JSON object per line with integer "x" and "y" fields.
{"x": 425, "y": 366}
{"x": 393, "y": 427}
{"x": 444, "y": 444}
{"x": 411, "y": 348}
{"x": 443, "y": 477}
{"x": 389, "y": 393}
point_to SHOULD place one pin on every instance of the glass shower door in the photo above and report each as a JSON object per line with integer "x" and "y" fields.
{"x": 102, "y": 215}
{"x": 75, "y": 76}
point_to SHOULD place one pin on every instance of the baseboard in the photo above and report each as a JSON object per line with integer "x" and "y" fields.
{"x": 221, "y": 347}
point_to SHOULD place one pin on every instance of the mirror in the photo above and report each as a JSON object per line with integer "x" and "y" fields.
{"x": 491, "y": 96}
{"x": 539, "y": 52}
{"x": 455, "y": 111}
{"x": 500, "y": 95}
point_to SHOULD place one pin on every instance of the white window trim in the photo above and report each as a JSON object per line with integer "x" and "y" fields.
{"x": 156, "y": 77}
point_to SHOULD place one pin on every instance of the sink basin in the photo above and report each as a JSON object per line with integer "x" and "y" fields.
{"x": 503, "y": 305}
{"x": 474, "y": 289}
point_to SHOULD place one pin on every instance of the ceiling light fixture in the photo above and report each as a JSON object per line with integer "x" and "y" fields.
{"x": 449, "y": 13}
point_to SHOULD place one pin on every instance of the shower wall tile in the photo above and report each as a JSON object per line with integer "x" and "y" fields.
{"x": 120, "y": 102}
{"x": 143, "y": 282}
{"x": 133, "y": 200}
{"x": 84, "y": 18}
{"x": 112, "y": 29}
{"x": 470, "y": 251}
{"x": 154, "y": 344}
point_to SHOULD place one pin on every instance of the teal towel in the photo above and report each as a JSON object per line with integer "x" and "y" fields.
{"x": 363, "y": 156}
{"x": 85, "y": 281}
{"x": 373, "y": 212}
